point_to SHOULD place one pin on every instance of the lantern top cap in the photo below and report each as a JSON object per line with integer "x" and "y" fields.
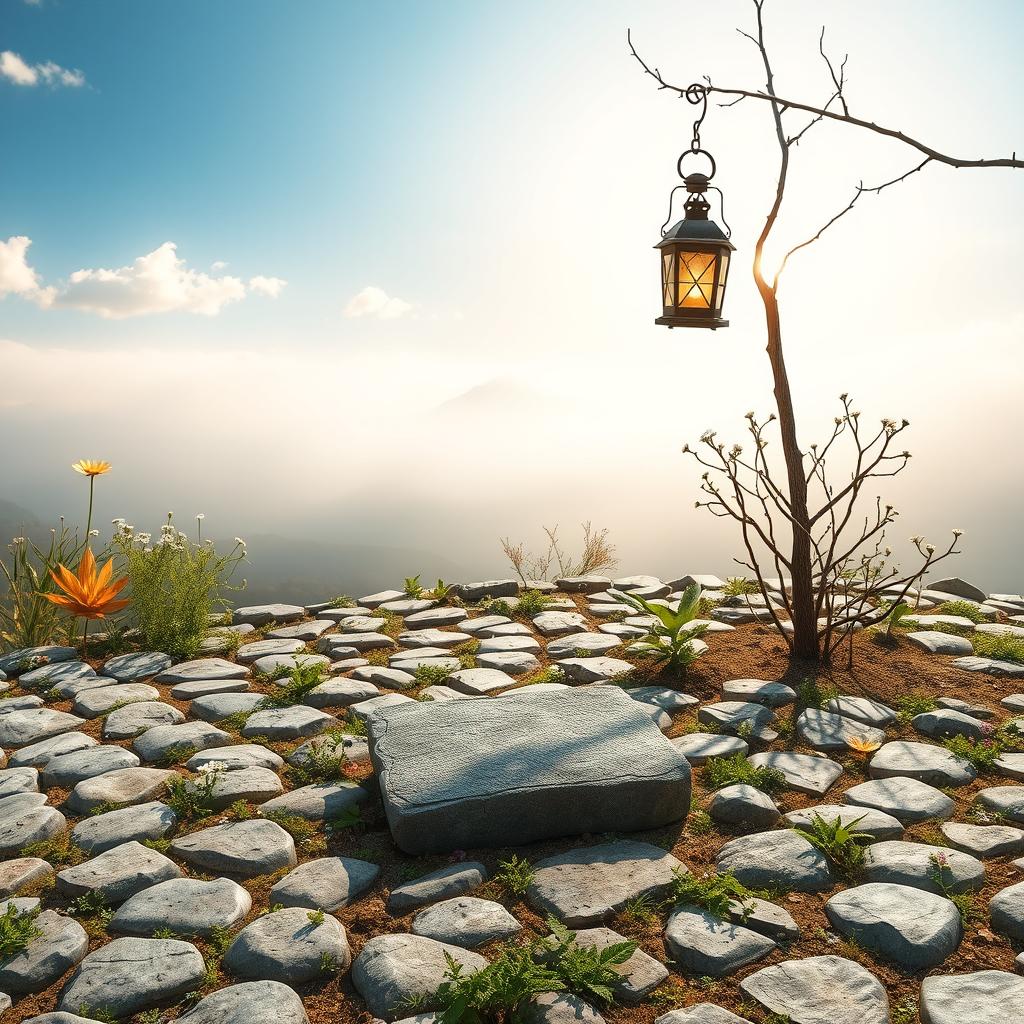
{"x": 690, "y": 229}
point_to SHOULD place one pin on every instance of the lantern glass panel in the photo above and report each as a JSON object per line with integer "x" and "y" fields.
{"x": 696, "y": 279}
{"x": 668, "y": 280}
{"x": 721, "y": 281}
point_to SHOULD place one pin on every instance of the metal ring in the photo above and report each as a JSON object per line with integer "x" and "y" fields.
{"x": 696, "y": 152}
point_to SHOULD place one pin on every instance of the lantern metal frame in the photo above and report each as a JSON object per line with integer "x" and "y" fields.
{"x": 695, "y": 252}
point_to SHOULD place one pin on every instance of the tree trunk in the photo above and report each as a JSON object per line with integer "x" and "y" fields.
{"x": 805, "y": 624}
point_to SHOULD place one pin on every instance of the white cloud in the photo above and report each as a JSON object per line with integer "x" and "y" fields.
{"x": 20, "y": 72}
{"x": 270, "y": 286}
{"x": 158, "y": 282}
{"x": 376, "y": 302}
{"x": 218, "y": 265}
{"x": 16, "y": 276}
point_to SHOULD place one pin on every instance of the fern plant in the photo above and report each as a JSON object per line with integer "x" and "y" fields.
{"x": 838, "y": 841}
{"x": 712, "y": 892}
{"x": 17, "y": 929}
{"x": 493, "y": 994}
{"x": 670, "y": 640}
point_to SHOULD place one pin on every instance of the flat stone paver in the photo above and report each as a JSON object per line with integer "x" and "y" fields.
{"x": 202, "y": 668}
{"x": 62, "y": 944}
{"x": 819, "y": 990}
{"x": 19, "y": 728}
{"x": 586, "y": 886}
{"x": 445, "y": 883}
{"x": 804, "y": 772}
{"x": 466, "y": 921}
{"x": 561, "y": 763}
{"x": 705, "y": 945}
{"x": 904, "y": 798}
{"x": 913, "y": 929}
{"x": 251, "y": 1002}
{"x": 127, "y": 722}
{"x": 874, "y": 823}
{"x": 187, "y": 906}
{"x": 918, "y": 864}
{"x": 984, "y": 997}
{"x": 128, "y": 975}
{"x": 326, "y": 884}
{"x": 925, "y": 762}
{"x": 118, "y": 873}
{"x": 139, "y": 822}
{"x": 698, "y": 747}
{"x": 130, "y": 668}
{"x": 321, "y": 801}
{"x": 244, "y": 849}
{"x": 780, "y": 858}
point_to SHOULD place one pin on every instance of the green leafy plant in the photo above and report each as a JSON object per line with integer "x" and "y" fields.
{"x": 412, "y": 587}
{"x": 443, "y": 592}
{"x": 58, "y": 850}
{"x": 176, "y": 583}
{"x": 965, "y": 609}
{"x": 998, "y": 646}
{"x": 322, "y": 761}
{"x": 740, "y": 586}
{"x": 494, "y": 994}
{"x": 514, "y": 875}
{"x": 942, "y": 876}
{"x": 812, "y": 693}
{"x": 670, "y": 641}
{"x": 432, "y": 675}
{"x": 316, "y": 918}
{"x": 712, "y": 892}
{"x": 736, "y": 769}
{"x": 295, "y": 686}
{"x": 341, "y": 601}
{"x": 193, "y": 799}
{"x": 838, "y": 841}
{"x": 530, "y": 603}
{"x": 699, "y": 823}
{"x": 17, "y": 929}
{"x": 910, "y": 704}
{"x": 982, "y": 753}
{"x": 302, "y": 831}
{"x": 896, "y": 612}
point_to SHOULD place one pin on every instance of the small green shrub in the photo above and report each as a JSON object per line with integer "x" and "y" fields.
{"x": 910, "y": 704}
{"x": 728, "y": 771}
{"x": 670, "y": 642}
{"x": 316, "y": 918}
{"x": 529, "y": 604}
{"x": 17, "y": 929}
{"x": 176, "y": 754}
{"x": 294, "y": 687}
{"x": 837, "y": 841}
{"x": 965, "y": 609}
{"x": 712, "y": 892}
{"x": 517, "y": 972}
{"x": 341, "y": 601}
{"x": 323, "y": 761}
{"x": 193, "y": 799}
{"x": 432, "y": 675}
{"x": 514, "y": 875}
{"x": 812, "y": 693}
{"x": 175, "y": 585}
{"x": 413, "y": 588}
{"x": 699, "y": 823}
{"x": 739, "y": 586}
{"x": 982, "y": 753}
{"x": 942, "y": 876}
{"x": 998, "y": 647}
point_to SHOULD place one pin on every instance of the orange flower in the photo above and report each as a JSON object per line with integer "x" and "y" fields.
{"x": 91, "y": 467}
{"x": 90, "y": 594}
{"x": 862, "y": 744}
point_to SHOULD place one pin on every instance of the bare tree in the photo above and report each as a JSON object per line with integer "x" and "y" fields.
{"x": 597, "y": 555}
{"x": 811, "y": 568}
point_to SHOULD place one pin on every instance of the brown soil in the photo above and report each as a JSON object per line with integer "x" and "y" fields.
{"x": 754, "y": 651}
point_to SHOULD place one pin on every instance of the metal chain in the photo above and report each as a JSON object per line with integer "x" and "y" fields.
{"x": 695, "y": 94}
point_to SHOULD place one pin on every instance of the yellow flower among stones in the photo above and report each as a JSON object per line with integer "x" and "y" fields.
{"x": 91, "y": 467}
{"x": 862, "y": 744}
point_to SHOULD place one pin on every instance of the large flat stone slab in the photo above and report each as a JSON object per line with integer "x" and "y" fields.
{"x": 984, "y": 997}
{"x": 458, "y": 774}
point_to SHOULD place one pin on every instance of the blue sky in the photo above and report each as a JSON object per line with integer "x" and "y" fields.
{"x": 495, "y": 175}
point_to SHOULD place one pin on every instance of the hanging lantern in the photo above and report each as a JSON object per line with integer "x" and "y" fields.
{"x": 694, "y": 251}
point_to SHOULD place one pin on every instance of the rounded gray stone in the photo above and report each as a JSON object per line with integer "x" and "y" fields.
{"x": 445, "y": 883}
{"x": 862, "y": 709}
{"x": 130, "y": 668}
{"x": 12, "y": 662}
{"x": 913, "y": 929}
{"x": 984, "y": 997}
{"x": 700, "y": 1013}
{"x": 558, "y": 1008}
{"x": 444, "y": 638}
{"x": 743, "y": 805}
{"x": 479, "y": 682}
{"x": 118, "y": 873}
{"x": 570, "y": 646}
{"x": 244, "y": 849}
{"x": 234, "y": 757}
{"x": 124, "y": 786}
{"x": 186, "y": 906}
{"x": 249, "y": 653}
{"x": 1006, "y": 909}
{"x": 1005, "y": 800}
{"x": 102, "y": 832}
{"x": 637, "y": 977}
{"x": 128, "y": 975}
{"x": 253, "y": 784}
{"x": 99, "y": 700}
{"x": 127, "y": 722}
{"x": 804, "y": 772}
{"x": 32, "y": 825}
{"x": 466, "y": 921}
{"x": 287, "y": 946}
{"x": 922, "y": 761}
{"x": 37, "y": 754}
{"x": 261, "y": 614}
{"x": 69, "y": 769}
{"x": 202, "y": 668}
{"x": 218, "y": 706}
{"x": 62, "y": 944}
{"x": 732, "y": 715}
{"x": 251, "y": 1002}
{"x": 48, "y": 677}
{"x": 585, "y": 886}
{"x": 326, "y": 884}
{"x": 21, "y": 872}
{"x": 824, "y": 730}
{"x": 698, "y": 747}
{"x": 984, "y": 841}
{"x": 19, "y": 728}
{"x": 195, "y": 688}
{"x": 703, "y": 944}
{"x": 391, "y": 971}
{"x": 819, "y": 990}
{"x": 780, "y": 858}
{"x": 155, "y": 744}
{"x": 907, "y": 799}
{"x": 916, "y": 864}
{"x": 18, "y": 780}
{"x": 18, "y": 803}
{"x": 758, "y": 691}
{"x": 322, "y": 801}
{"x": 288, "y": 723}
{"x": 343, "y": 693}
